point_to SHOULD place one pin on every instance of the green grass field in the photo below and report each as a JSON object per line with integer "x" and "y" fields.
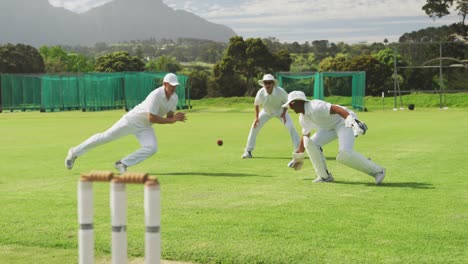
{"x": 218, "y": 208}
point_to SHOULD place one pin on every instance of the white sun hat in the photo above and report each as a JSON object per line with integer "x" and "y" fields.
{"x": 171, "y": 79}
{"x": 268, "y": 77}
{"x": 295, "y": 95}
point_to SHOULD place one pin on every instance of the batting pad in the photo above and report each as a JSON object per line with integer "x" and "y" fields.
{"x": 316, "y": 157}
{"x": 357, "y": 161}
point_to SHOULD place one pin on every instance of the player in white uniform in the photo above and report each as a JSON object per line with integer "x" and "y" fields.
{"x": 271, "y": 97}
{"x": 331, "y": 122}
{"x": 138, "y": 121}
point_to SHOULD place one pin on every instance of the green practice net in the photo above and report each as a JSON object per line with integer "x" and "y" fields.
{"x": 326, "y": 85}
{"x": 20, "y": 93}
{"x": 60, "y": 93}
{"x": 344, "y": 84}
{"x": 102, "y": 92}
{"x": 303, "y": 81}
{"x": 88, "y": 92}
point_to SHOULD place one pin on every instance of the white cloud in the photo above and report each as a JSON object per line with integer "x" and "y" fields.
{"x": 78, "y": 6}
{"x": 303, "y": 20}
{"x": 312, "y": 10}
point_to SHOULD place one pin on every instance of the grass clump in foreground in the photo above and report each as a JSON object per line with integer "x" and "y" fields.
{"x": 218, "y": 208}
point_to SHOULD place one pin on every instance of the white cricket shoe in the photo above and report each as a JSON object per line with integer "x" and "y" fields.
{"x": 379, "y": 177}
{"x": 247, "y": 155}
{"x": 122, "y": 168}
{"x": 70, "y": 159}
{"x": 320, "y": 179}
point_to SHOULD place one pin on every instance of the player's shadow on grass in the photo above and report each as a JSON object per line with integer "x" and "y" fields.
{"x": 288, "y": 158}
{"x": 211, "y": 174}
{"x": 272, "y": 158}
{"x": 414, "y": 185}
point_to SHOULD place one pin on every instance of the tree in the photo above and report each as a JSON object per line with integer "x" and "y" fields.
{"x": 439, "y": 8}
{"x": 387, "y": 57}
{"x": 295, "y": 47}
{"x": 281, "y": 61}
{"x": 432, "y": 34}
{"x": 118, "y": 61}
{"x": 243, "y": 63}
{"x": 377, "y": 73}
{"x": 226, "y": 82}
{"x": 303, "y": 62}
{"x": 258, "y": 60}
{"x": 79, "y": 63}
{"x": 320, "y": 48}
{"x": 272, "y": 44}
{"x": 57, "y": 59}
{"x": 164, "y": 64}
{"x": 20, "y": 58}
{"x": 139, "y": 52}
{"x": 338, "y": 63}
{"x": 198, "y": 84}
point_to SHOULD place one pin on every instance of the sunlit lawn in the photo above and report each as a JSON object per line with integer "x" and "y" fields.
{"x": 218, "y": 208}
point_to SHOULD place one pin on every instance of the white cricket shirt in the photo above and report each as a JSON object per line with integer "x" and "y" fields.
{"x": 271, "y": 103}
{"x": 155, "y": 103}
{"x": 317, "y": 115}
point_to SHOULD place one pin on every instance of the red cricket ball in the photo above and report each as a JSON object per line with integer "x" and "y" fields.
{"x": 220, "y": 142}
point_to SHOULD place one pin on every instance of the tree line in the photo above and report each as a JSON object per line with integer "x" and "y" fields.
{"x": 231, "y": 69}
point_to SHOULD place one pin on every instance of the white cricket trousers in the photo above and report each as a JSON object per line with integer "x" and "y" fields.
{"x": 263, "y": 117}
{"x": 344, "y": 134}
{"x": 145, "y": 135}
{"x": 346, "y": 155}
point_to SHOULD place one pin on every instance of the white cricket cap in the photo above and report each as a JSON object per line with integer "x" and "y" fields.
{"x": 295, "y": 95}
{"x": 171, "y": 79}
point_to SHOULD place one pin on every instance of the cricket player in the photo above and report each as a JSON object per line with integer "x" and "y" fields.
{"x": 271, "y": 97}
{"x": 331, "y": 122}
{"x": 159, "y": 107}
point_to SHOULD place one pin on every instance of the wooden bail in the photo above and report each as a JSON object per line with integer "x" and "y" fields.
{"x": 99, "y": 176}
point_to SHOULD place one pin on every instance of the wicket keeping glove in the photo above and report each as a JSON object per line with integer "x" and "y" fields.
{"x": 358, "y": 127}
{"x": 297, "y": 161}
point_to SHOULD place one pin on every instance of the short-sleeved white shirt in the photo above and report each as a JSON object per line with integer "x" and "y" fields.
{"x": 317, "y": 116}
{"x": 155, "y": 103}
{"x": 271, "y": 103}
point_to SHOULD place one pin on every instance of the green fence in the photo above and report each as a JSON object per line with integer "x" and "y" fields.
{"x": 88, "y": 92}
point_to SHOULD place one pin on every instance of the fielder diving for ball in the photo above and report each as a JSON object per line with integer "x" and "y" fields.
{"x": 138, "y": 121}
{"x": 331, "y": 122}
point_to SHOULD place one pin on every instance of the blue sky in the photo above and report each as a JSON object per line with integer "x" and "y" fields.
{"x": 350, "y": 21}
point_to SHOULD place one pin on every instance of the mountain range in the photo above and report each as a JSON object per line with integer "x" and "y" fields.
{"x": 37, "y": 22}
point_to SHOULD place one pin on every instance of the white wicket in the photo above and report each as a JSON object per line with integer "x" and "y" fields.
{"x": 153, "y": 222}
{"x": 85, "y": 219}
{"x": 118, "y": 201}
{"x": 118, "y": 205}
